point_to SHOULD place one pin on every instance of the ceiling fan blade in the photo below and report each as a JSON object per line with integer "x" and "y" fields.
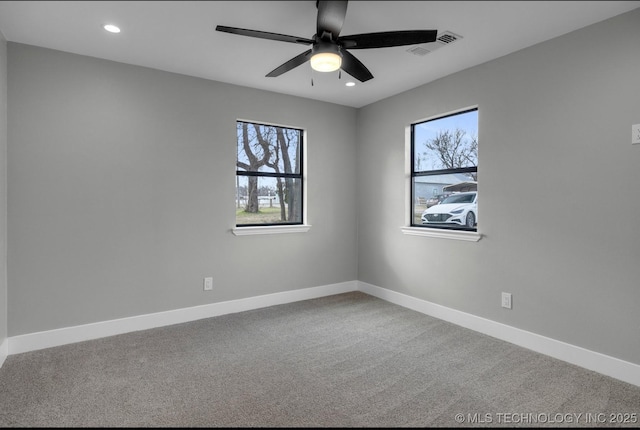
{"x": 330, "y": 18}
{"x": 291, "y": 64}
{"x": 264, "y": 35}
{"x": 354, "y": 67}
{"x": 387, "y": 39}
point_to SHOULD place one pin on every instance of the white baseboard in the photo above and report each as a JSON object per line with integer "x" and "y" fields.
{"x": 63, "y": 336}
{"x": 604, "y": 364}
{"x": 4, "y": 351}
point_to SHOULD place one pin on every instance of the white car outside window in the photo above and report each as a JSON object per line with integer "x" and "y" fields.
{"x": 458, "y": 209}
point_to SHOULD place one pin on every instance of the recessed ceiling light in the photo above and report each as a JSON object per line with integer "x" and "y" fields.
{"x": 111, "y": 28}
{"x": 350, "y": 84}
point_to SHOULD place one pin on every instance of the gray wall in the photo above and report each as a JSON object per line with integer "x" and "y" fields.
{"x": 3, "y": 189}
{"x": 122, "y": 187}
{"x": 559, "y": 184}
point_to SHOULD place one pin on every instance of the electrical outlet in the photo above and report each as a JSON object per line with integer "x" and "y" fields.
{"x": 635, "y": 134}
{"x": 208, "y": 284}
{"x": 506, "y": 300}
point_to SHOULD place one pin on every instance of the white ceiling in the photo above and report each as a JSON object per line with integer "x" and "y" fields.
{"x": 180, "y": 37}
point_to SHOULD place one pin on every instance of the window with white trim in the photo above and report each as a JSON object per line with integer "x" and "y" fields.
{"x": 269, "y": 175}
{"x": 444, "y": 172}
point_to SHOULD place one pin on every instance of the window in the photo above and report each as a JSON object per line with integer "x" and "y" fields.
{"x": 268, "y": 175}
{"x": 444, "y": 172}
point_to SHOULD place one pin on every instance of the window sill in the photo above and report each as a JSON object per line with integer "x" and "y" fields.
{"x": 270, "y": 229}
{"x": 470, "y": 236}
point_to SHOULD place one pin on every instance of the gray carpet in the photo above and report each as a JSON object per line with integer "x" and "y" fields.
{"x": 349, "y": 360}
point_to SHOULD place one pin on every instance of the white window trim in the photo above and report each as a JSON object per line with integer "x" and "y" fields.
{"x": 281, "y": 229}
{"x": 471, "y": 236}
{"x": 270, "y": 229}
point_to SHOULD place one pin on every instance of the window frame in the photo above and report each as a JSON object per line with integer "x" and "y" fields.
{"x": 279, "y": 227}
{"x": 439, "y": 231}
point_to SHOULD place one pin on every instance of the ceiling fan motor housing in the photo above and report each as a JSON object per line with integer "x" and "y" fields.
{"x": 325, "y": 47}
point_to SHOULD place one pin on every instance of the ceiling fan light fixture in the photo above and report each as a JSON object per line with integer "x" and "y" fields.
{"x": 326, "y": 62}
{"x": 326, "y": 57}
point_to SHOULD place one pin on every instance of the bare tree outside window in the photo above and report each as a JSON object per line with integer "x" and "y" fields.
{"x": 444, "y": 155}
{"x": 269, "y": 175}
{"x": 452, "y": 149}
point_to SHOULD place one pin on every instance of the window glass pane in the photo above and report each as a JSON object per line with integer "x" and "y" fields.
{"x": 446, "y": 143}
{"x": 264, "y": 200}
{"x": 266, "y": 148}
{"x": 435, "y": 205}
{"x": 271, "y": 190}
{"x": 444, "y": 177}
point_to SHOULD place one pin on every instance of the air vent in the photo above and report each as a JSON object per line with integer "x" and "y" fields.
{"x": 447, "y": 37}
{"x": 443, "y": 39}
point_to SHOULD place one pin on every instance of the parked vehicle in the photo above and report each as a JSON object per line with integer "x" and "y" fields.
{"x": 437, "y": 199}
{"x": 459, "y": 209}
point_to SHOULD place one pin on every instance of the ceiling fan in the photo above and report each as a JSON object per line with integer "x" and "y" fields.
{"x": 329, "y": 50}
